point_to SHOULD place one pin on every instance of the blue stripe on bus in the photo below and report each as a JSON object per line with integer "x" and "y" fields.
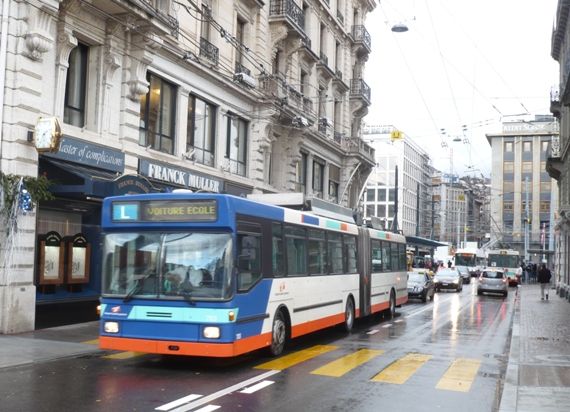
{"x": 176, "y": 320}
{"x": 311, "y": 220}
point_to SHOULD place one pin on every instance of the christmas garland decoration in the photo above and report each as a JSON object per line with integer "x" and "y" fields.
{"x": 23, "y": 192}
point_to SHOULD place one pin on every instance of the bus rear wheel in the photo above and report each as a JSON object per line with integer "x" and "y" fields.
{"x": 349, "y": 315}
{"x": 278, "y": 334}
{"x": 392, "y": 307}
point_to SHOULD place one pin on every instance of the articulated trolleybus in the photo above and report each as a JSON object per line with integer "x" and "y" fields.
{"x": 218, "y": 275}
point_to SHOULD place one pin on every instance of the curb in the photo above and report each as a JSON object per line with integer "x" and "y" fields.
{"x": 509, "y": 395}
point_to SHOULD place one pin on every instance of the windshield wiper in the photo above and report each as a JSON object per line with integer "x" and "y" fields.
{"x": 186, "y": 292}
{"x": 137, "y": 288}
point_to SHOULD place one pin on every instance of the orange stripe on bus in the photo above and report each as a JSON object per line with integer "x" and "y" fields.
{"x": 315, "y": 325}
{"x": 219, "y": 350}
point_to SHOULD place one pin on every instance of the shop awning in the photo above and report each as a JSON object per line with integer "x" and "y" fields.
{"x": 76, "y": 180}
{"x": 422, "y": 241}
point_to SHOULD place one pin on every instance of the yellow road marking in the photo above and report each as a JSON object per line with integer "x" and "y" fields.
{"x": 124, "y": 355}
{"x": 294, "y": 358}
{"x": 347, "y": 363}
{"x": 91, "y": 342}
{"x": 402, "y": 369}
{"x": 460, "y": 375}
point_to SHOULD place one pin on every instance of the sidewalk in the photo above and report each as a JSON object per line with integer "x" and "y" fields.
{"x": 48, "y": 344}
{"x": 538, "y": 372}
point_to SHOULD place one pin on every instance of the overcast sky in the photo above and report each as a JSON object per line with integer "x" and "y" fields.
{"x": 462, "y": 62}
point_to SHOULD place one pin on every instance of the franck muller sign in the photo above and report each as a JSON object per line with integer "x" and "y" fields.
{"x": 180, "y": 177}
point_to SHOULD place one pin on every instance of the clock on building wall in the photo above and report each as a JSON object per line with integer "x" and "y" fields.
{"x": 47, "y": 134}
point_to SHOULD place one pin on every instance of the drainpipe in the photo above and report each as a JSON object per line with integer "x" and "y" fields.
{"x": 3, "y": 57}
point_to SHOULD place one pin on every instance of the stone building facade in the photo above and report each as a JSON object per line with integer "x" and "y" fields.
{"x": 241, "y": 96}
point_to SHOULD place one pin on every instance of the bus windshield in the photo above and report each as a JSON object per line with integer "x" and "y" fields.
{"x": 504, "y": 261}
{"x": 181, "y": 265}
{"x": 465, "y": 259}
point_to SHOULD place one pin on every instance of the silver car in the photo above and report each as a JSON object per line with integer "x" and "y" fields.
{"x": 493, "y": 281}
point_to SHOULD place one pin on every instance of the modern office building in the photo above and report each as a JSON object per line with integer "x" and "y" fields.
{"x": 236, "y": 96}
{"x": 413, "y": 165}
{"x": 524, "y": 197}
{"x": 450, "y": 206}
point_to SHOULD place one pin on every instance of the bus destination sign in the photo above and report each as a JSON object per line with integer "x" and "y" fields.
{"x": 179, "y": 211}
{"x": 166, "y": 211}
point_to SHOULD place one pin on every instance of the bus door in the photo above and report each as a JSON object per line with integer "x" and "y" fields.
{"x": 365, "y": 270}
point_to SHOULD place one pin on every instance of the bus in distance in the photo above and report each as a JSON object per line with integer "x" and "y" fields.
{"x": 216, "y": 275}
{"x": 509, "y": 261}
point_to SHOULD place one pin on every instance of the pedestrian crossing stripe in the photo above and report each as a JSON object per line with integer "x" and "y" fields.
{"x": 347, "y": 363}
{"x": 297, "y": 357}
{"x": 124, "y": 355}
{"x": 460, "y": 375}
{"x": 402, "y": 369}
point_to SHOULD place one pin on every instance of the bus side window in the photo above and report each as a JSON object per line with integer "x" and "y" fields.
{"x": 249, "y": 261}
{"x": 376, "y": 256}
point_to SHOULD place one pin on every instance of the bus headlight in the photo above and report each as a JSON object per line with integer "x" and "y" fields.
{"x": 211, "y": 332}
{"x": 111, "y": 327}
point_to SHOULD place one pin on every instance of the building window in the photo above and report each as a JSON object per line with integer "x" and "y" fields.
{"x": 544, "y": 145}
{"x": 75, "y": 87}
{"x": 545, "y": 206}
{"x": 158, "y": 114}
{"x": 381, "y": 211}
{"x": 318, "y": 176}
{"x": 391, "y": 195}
{"x": 236, "y": 146}
{"x": 508, "y": 167}
{"x": 370, "y": 195}
{"x": 201, "y": 130}
{"x": 526, "y": 167}
{"x": 527, "y": 147}
{"x": 508, "y": 207}
{"x": 301, "y": 174}
{"x": 508, "y": 186}
{"x": 205, "y": 19}
{"x": 334, "y": 182}
{"x": 240, "y": 37}
{"x": 545, "y": 187}
{"x": 508, "y": 147}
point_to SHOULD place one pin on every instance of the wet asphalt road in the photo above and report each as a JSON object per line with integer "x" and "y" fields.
{"x": 448, "y": 355}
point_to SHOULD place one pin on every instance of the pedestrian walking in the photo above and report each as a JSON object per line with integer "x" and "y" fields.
{"x": 544, "y": 280}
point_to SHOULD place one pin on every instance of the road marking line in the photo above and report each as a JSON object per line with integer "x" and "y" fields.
{"x": 347, "y": 363}
{"x": 373, "y": 331}
{"x": 295, "y": 358}
{"x": 224, "y": 392}
{"x": 387, "y": 325}
{"x": 257, "y": 387}
{"x": 402, "y": 369}
{"x": 176, "y": 403}
{"x": 208, "y": 408}
{"x": 124, "y": 355}
{"x": 91, "y": 342}
{"x": 398, "y": 321}
{"x": 460, "y": 375}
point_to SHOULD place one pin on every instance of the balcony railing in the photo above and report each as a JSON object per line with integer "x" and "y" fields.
{"x": 361, "y": 35}
{"x": 359, "y": 89}
{"x": 289, "y": 96}
{"x": 324, "y": 58}
{"x": 289, "y": 10}
{"x": 358, "y": 146}
{"x": 240, "y": 68}
{"x": 208, "y": 50}
{"x": 338, "y": 74}
{"x": 338, "y": 137}
{"x": 555, "y": 146}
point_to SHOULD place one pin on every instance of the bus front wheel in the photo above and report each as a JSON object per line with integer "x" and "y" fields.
{"x": 278, "y": 334}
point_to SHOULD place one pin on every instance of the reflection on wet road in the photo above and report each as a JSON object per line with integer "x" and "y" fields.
{"x": 449, "y": 354}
